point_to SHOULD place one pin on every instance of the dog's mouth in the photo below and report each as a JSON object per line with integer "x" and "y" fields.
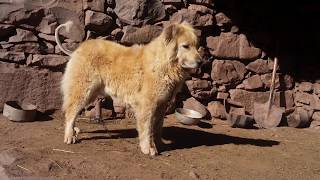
{"x": 190, "y": 66}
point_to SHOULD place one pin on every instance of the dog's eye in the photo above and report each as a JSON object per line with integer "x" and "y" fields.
{"x": 186, "y": 46}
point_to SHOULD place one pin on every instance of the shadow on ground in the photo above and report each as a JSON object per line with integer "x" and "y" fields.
{"x": 181, "y": 138}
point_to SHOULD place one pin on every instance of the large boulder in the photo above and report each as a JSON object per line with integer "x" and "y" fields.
{"x": 260, "y": 66}
{"x": 13, "y": 57}
{"x": 217, "y": 110}
{"x": 140, "y": 12}
{"x": 40, "y": 87}
{"x": 49, "y": 61}
{"x": 227, "y": 72}
{"x": 232, "y": 46}
{"x": 194, "y": 15}
{"x": 98, "y": 21}
{"x": 252, "y": 83}
{"x": 143, "y": 35}
{"x": 23, "y": 36}
{"x": 33, "y": 47}
{"x": 95, "y": 5}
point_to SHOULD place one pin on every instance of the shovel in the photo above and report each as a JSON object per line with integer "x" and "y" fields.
{"x": 267, "y": 115}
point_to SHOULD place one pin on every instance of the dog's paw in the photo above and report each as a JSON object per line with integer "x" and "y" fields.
{"x": 71, "y": 137}
{"x": 146, "y": 148}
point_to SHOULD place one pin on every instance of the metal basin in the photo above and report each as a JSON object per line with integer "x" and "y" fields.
{"x": 15, "y": 111}
{"x": 188, "y": 116}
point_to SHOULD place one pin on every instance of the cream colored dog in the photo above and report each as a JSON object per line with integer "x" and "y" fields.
{"x": 144, "y": 76}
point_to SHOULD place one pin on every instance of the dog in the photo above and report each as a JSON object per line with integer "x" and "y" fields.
{"x": 145, "y": 77}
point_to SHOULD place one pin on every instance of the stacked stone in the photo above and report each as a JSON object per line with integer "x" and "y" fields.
{"x": 307, "y": 97}
{"x": 235, "y": 73}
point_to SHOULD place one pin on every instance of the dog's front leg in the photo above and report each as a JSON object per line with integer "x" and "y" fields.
{"x": 146, "y": 118}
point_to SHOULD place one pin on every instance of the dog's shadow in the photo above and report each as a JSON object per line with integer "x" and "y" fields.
{"x": 181, "y": 138}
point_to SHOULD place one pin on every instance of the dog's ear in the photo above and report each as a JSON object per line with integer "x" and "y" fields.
{"x": 170, "y": 32}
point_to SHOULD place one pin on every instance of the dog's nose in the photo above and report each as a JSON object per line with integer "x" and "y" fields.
{"x": 199, "y": 61}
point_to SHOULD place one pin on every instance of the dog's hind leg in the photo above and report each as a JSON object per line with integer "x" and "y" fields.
{"x": 75, "y": 99}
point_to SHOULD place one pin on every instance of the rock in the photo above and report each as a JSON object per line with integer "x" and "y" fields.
{"x": 304, "y": 98}
{"x": 307, "y": 99}
{"x": 305, "y": 87}
{"x": 316, "y": 88}
{"x": 194, "y": 175}
{"x": 200, "y": 8}
{"x": 222, "y": 95}
{"x": 286, "y": 82}
{"x": 260, "y": 66}
{"x": 24, "y": 84}
{"x": 232, "y": 46}
{"x": 143, "y": 35}
{"x": 234, "y": 29}
{"x": 227, "y": 72}
{"x": 192, "y": 103}
{"x": 6, "y": 30}
{"x": 6, "y": 46}
{"x": 117, "y": 34}
{"x": 171, "y": 1}
{"x": 198, "y": 84}
{"x": 315, "y": 125}
{"x": 266, "y": 79}
{"x": 247, "y": 98}
{"x": 253, "y": 82}
{"x": 70, "y": 46}
{"x": 8, "y": 157}
{"x": 203, "y": 94}
{"x": 282, "y": 81}
{"x": 10, "y": 56}
{"x": 140, "y": 12}
{"x": 223, "y": 20}
{"x": 170, "y": 9}
{"x": 236, "y": 110}
{"x": 105, "y": 113}
{"x": 217, "y": 110}
{"x": 110, "y": 3}
{"x": 22, "y": 36}
{"x": 119, "y": 108}
{"x": 222, "y": 88}
{"x": 316, "y": 116}
{"x": 193, "y": 17}
{"x": 98, "y": 21}
{"x": 21, "y": 12}
{"x": 73, "y": 11}
{"x": 203, "y": 2}
{"x": 47, "y": 37}
{"x": 95, "y": 5}
{"x": 34, "y": 48}
{"x": 50, "y": 60}
{"x": 47, "y": 25}
{"x": 300, "y": 118}
{"x": 206, "y": 76}
{"x": 3, "y": 174}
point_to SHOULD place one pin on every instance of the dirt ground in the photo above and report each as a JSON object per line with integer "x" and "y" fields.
{"x": 212, "y": 150}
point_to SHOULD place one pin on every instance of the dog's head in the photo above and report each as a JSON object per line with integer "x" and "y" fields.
{"x": 183, "y": 42}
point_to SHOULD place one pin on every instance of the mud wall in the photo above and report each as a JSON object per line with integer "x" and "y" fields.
{"x": 238, "y": 41}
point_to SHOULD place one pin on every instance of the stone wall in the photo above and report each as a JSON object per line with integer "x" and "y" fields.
{"x": 238, "y": 43}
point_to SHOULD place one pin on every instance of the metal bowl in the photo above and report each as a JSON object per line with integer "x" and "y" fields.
{"x": 188, "y": 116}
{"x": 19, "y": 112}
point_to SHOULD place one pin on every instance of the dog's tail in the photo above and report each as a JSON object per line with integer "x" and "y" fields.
{"x": 67, "y": 25}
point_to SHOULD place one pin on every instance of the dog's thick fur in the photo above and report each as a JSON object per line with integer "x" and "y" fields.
{"x": 143, "y": 76}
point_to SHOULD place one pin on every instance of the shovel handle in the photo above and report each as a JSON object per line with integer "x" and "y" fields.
{"x": 275, "y": 64}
